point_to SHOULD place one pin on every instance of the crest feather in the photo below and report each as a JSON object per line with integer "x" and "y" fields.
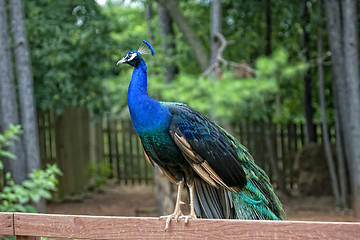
{"x": 146, "y": 48}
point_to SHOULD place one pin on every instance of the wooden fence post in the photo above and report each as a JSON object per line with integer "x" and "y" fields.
{"x": 73, "y": 150}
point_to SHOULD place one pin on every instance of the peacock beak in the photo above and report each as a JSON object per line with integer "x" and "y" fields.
{"x": 121, "y": 61}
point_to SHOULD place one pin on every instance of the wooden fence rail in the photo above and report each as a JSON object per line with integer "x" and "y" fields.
{"x": 32, "y": 226}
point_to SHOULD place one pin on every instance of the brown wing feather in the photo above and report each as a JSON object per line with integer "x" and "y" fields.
{"x": 200, "y": 165}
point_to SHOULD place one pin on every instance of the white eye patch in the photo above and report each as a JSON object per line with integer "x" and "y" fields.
{"x": 130, "y": 56}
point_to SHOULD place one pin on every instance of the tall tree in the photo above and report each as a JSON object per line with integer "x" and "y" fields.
{"x": 325, "y": 129}
{"x": 168, "y": 43}
{"x": 268, "y": 30}
{"x": 343, "y": 41}
{"x": 351, "y": 62}
{"x": 25, "y": 85}
{"x": 8, "y": 103}
{"x": 197, "y": 46}
{"x": 309, "y": 109}
{"x": 334, "y": 30}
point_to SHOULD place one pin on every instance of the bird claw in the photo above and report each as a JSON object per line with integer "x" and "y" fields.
{"x": 187, "y": 217}
{"x": 177, "y": 216}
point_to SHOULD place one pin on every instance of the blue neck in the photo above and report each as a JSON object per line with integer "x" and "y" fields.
{"x": 146, "y": 113}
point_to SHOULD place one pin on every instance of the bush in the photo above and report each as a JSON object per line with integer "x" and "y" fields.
{"x": 40, "y": 183}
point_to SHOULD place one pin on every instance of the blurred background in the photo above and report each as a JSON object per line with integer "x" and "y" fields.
{"x": 281, "y": 76}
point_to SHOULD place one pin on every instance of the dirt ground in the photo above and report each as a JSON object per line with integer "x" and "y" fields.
{"x": 118, "y": 200}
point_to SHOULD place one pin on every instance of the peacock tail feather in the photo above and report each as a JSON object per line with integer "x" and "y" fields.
{"x": 257, "y": 199}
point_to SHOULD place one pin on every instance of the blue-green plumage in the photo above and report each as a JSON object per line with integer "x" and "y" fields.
{"x": 223, "y": 179}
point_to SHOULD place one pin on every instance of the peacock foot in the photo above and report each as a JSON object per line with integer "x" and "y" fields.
{"x": 177, "y": 216}
{"x": 187, "y": 217}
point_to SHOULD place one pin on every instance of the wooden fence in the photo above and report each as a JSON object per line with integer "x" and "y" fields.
{"x": 123, "y": 150}
{"x": 33, "y": 226}
{"x": 273, "y": 146}
{"x": 75, "y": 143}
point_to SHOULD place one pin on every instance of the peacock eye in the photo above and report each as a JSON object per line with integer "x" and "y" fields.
{"x": 130, "y": 56}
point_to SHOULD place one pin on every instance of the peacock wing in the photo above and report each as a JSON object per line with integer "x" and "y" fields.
{"x": 206, "y": 148}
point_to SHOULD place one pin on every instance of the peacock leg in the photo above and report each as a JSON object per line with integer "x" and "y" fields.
{"x": 192, "y": 209}
{"x": 177, "y": 212}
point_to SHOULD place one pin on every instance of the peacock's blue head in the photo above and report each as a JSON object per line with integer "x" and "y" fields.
{"x": 134, "y": 57}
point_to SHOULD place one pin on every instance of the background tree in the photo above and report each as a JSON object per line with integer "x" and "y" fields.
{"x": 25, "y": 86}
{"x": 322, "y": 99}
{"x": 197, "y": 46}
{"x": 8, "y": 101}
{"x": 268, "y": 48}
{"x": 215, "y": 27}
{"x": 72, "y": 53}
{"x": 308, "y": 108}
{"x": 351, "y": 57}
{"x": 168, "y": 43}
{"x": 343, "y": 41}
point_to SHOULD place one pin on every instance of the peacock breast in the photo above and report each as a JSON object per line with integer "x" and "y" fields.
{"x": 161, "y": 148}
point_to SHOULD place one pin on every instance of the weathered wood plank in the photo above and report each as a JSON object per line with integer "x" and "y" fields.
{"x": 6, "y": 223}
{"x": 96, "y": 227}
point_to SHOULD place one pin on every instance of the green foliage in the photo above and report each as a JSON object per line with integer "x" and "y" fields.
{"x": 227, "y": 98}
{"x": 40, "y": 183}
{"x": 288, "y": 76}
{"x": 5, "y": 140}
{"x": 18, "y": 198}
{"x": 75, "y": 52}
{"x": 127, "y": 25}
{"x": 70, "y": 53}
{"x": 117, "y": 89}
{"x": 101, "y": 174}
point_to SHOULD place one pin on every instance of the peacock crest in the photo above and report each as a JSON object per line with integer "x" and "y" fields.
{"x": 146, "y": 48}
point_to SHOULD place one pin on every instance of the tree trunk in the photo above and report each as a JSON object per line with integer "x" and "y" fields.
{"x": 168, "y": 43}
{"x": 334, "y": 32}
{"x": 325, "y": 130}
{"x": 26, "y": 92}
{"x": 25, "y": 86}
{"x": 341, "y": 161}
{"x": 198, "y": 48}
{"x": 309, "y": 110}
{"x": 215, "y": 27}
{"x": 268, "y": 48}
{"x": 8, "y": 103}
{"x": 351, "y": 62}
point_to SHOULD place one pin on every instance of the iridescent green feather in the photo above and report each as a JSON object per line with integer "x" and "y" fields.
{"x": 257, "y": 199}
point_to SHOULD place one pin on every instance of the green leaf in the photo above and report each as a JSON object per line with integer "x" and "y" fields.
{"x": 35, "y": 197}
{"x": 7, "y": 154}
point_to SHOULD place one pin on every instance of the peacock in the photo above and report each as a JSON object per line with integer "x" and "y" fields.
{"x": 222, "y": 178}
